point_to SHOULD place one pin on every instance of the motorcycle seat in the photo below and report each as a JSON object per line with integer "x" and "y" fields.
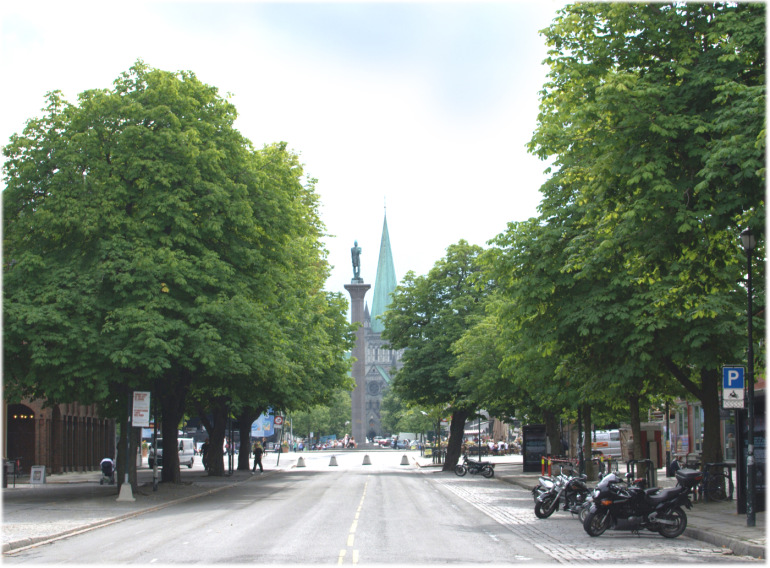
{"x": 663, "y": 495}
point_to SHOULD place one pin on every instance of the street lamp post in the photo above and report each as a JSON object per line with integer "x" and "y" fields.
{"x": 749, "y": 242}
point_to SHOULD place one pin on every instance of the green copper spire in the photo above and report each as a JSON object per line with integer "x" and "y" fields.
{"x": 385, "y": 283}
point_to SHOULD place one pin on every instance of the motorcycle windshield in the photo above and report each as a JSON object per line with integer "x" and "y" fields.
{"x": 607, "y": 481}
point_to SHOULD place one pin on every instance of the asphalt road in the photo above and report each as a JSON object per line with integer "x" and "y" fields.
{"x": 361, "y": 514}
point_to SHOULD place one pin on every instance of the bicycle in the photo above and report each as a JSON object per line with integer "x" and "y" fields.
{"x": 717, "y": 486}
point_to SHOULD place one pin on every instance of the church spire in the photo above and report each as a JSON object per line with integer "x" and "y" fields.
{"x": 385, "y": 282}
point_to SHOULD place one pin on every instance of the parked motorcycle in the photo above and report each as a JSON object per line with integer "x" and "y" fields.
{"x": 487, "y": 469}
{"x": 589, "y": 500}
{"x": 618, "y": 506}
{"x": 567, "y": 489}
{"x": 545, "y": 482}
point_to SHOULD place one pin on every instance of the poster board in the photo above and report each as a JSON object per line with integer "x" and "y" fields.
{"x": 37, "y": 475}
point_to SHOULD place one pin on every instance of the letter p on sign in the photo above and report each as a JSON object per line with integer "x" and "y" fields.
{"x": 732, "y": 377}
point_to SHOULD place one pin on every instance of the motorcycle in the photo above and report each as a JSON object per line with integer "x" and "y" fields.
{"x": 619, "y": 506}
{"x": 589, "y": 500}
{"x": 487, "y": 469}
{"x": 545, "y": 482}
{"x": 567, "y": 489}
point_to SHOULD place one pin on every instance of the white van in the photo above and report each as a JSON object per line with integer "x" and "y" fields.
{"x": 186, "y": 453}
{"x": 606, "y": 443}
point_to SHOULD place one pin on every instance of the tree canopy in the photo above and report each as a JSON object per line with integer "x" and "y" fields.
{"x": 653, "y": 115}
{"x": 148, "y": 246}
{"x": 426, "y": 316}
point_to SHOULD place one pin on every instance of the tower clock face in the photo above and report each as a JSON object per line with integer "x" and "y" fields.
{"x": 373, "y": 387}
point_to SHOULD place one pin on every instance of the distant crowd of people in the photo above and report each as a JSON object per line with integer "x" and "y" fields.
{"x": 499, "y": 448}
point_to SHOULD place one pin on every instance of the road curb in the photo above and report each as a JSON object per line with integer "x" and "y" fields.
{"x": 19, "y": 545}
{"x": 739, "y": 547}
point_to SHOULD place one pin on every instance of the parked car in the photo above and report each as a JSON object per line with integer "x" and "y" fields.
{"x": 186, "y": 452}
{"x": 606, "y": 443}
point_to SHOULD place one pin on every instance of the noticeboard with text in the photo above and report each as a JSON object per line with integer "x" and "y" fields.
{"x": 140, "y": 417}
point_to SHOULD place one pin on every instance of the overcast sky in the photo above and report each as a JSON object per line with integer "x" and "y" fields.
{"x": 423, "y": 107}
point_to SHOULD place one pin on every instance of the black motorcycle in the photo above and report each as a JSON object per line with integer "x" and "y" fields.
{"x": 567, "y": 489}
{"x": 618, "y": 506}
{"x": 487, "y": 469}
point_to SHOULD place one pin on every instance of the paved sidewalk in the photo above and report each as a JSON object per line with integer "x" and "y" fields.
{"x": 74, "y": 502}
{"x": 715, "y": 523}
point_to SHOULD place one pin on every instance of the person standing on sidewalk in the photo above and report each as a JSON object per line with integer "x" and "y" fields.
{"x": 205, "y": 454}
{"x": 258, "y": 451}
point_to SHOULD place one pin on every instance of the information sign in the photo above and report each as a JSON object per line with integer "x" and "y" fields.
{"x": 141, "y": 412}
{"x": 733, "y": 387}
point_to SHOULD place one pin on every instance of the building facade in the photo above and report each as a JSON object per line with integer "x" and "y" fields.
{"x": 63, "y": 438}
{"x": 381, "y": 361}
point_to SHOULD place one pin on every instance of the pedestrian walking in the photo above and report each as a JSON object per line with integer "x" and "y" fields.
{"x": 258, "y": 451}
{"x": 205, "y": 454}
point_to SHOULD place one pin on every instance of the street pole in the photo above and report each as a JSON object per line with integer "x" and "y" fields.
{"x": 479, "y": 436}
{"x": 581, "y": 457}
{"x": 128, "y": 439}
{"x": 126, "y": 491}
{"x": 668, "y": 443}
{"x": 155, "y": 440}
{"x": 280, "y": 445}
{"x": 748, "y": 243}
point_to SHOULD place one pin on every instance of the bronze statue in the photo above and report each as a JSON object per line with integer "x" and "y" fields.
{"x": 355, "y": 253}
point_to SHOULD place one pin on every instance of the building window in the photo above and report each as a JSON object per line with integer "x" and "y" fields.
{"x": 697, "y": 428}
{"x": 682, "y": 442}
{"x": 729, "y": 437}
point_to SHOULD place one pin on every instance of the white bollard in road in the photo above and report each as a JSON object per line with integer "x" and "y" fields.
{"x": 404, "y": 460}
{"x": 367, "y": 461}
{"x": 301, "y": 462}
{"x": 333, "y": 461}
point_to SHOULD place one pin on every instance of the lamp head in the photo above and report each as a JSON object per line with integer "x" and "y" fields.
{"x": 748, "y": 240}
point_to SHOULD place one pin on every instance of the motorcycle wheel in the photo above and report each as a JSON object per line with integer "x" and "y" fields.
{"x": 583, "y": 513}
{"x": 545, "y": 509}
{"x": 460, "y": 469}
{"x": 596, "y": 522}
{"x": 487, "y": 471}
{"x": 680, "y": 523}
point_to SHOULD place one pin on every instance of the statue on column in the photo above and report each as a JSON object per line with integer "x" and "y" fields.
{"x": 355, "y": 254}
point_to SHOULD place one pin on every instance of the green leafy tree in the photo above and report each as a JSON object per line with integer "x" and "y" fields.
{"x": 397, "y": 416}
{"x": 148, "y": 245}
{"x": 330, "y": 419}
{"x": 426, "y": 316}
{"x": 654, "y": 114}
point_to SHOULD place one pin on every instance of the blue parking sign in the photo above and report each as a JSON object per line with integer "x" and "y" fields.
{"x": 732, "y": 377}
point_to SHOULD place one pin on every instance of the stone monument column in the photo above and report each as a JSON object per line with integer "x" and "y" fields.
{"x": 357, "y": 292}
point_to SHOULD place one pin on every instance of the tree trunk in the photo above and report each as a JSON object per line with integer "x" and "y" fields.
{"x": 245, "y": 419}
{"x": 591, "y": 469}
{"x": 217, "y": 430}
{"x": 712, "y": 443}
{"x": 552, "y": 432}
{"x": 636, "y": 432}
{"x": 172, "y": 398}
{"x": 455, "y": 444}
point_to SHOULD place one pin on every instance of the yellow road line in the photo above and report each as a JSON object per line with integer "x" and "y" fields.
{"x": 352, "y": 532}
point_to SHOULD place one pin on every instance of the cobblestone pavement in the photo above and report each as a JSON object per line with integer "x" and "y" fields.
{"x": 562, "y": 537}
